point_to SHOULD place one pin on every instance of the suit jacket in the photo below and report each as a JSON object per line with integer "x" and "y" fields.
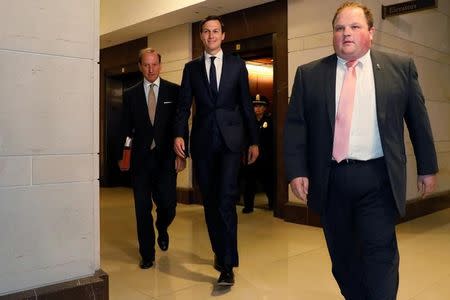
{"x": 311, "y": 117}
{"x": 136, "y": 121}
{"x": 232, "y": 110}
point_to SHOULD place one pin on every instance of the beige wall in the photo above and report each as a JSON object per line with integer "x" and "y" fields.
{"x": 49, "y": 210}
{"x": 424, "y": 35}
{"x": 175, "y": 46}
{"x": 118, "y": 14}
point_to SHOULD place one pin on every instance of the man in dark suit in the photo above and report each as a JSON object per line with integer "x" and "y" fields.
{"x": 349, "y": 165}
{"x": 223, "y": 119}
{"x": 148, "y": 116}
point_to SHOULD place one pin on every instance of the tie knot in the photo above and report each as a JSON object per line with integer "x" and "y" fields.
{"x": 212, "y": 59}
{"x": 152, "y": 85}
{"x": 351, "y": 64}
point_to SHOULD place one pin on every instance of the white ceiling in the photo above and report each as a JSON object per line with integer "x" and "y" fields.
{"x": 189, "y": 14}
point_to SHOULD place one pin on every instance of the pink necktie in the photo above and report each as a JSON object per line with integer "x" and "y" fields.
{"x": 344, "y": 113}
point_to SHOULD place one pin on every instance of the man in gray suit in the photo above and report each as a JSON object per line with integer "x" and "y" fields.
{"x": 345, "y": 154}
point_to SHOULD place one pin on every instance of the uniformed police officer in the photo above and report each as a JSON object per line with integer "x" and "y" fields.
{"x": 262, "y": 169}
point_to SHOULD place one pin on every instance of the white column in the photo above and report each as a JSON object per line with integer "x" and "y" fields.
{"x": 49, "y": 194}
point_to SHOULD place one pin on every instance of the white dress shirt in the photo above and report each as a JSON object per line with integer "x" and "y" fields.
{"x": 218, "y": 62}
{"x": 365, "y": 142}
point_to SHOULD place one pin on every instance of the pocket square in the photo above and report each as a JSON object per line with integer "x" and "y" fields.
{"x": 168, "y": 102}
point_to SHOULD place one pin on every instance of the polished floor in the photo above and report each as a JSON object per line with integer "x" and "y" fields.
{"x": 278, "y": 260}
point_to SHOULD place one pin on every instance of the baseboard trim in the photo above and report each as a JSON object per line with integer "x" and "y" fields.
{"x": 91, "y": 287}
{"x": 421, "y": 207}
{"x": 300, "y": 214}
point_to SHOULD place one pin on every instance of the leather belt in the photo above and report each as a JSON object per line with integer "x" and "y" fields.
{"x": 353, "y": 161}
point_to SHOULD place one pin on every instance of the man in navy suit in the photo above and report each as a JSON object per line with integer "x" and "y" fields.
{"x": 223, "y": 120}
{"x": 359, "y": 192}
{"x": 148, "y": 116}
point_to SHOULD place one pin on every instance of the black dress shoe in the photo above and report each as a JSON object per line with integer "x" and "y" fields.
{"x": 163, "y": 240}
{"x": 247, "y": 210}
{"x": 146, "y": 264}
{"x": 226, "y": 278}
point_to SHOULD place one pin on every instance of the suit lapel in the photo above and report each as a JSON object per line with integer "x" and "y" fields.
{"x": 204, "y": 75}
{"x": 380, "y": 86}
{"x": 159, "y": 101}
{"x": 330, "y": 79}
{"x": 226, "y": 64}
{"x": 142, "y": 100}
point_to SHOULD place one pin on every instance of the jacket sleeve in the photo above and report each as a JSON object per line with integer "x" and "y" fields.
{"x": 295, "y": 132}
{"x": 126, "y": 124}
{"x": 183, "y": 110}
{"x": 247, "y": 107}
{"x": 416, "y": 118}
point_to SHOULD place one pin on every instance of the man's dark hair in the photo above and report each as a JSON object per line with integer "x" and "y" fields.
{"x": 212, "y": 18}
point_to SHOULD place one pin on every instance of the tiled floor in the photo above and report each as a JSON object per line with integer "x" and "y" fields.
{"x": 278, "y": 260}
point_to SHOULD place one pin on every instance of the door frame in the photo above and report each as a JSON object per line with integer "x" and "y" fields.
{"x": 115, "y": 60}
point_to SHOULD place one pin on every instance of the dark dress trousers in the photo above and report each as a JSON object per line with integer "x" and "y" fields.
{"x": 153, "y": 171}
{"x": 359, "y": 202}
{"x": 223, "y": 124}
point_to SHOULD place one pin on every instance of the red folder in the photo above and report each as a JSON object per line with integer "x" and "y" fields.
{"x": 124, "y": 163}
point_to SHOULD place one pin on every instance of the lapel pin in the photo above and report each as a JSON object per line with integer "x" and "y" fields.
{"x": 378, "y": 67}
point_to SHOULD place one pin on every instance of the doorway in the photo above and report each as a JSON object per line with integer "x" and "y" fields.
{"x": 257, "y": 52}
{"x": 118, "y": 70}
{"x": 115, "y": 85}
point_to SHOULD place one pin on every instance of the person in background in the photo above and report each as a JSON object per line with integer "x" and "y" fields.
{"x": 345, "y": 153}
{"x": 262, "y": 170}
{"x": 223, "y": 119}
{"x": 147, "y": 118}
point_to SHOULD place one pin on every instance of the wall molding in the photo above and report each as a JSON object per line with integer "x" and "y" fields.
{"x": 91, "y": 287}
{"x": 300, "y": 214}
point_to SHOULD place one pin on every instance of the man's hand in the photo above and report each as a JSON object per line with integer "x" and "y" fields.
{"x": 180, "y": 164}
{"x": 426, "y": 184}
{"x": 253, "y": 152}
{"x": 178, "y": 147}
{"x": 299, "y": 187}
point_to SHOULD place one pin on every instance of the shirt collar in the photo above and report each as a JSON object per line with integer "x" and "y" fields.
{"x": 363, "y": 60}
{"x": 156, "y": 82}
{"x": 218, "y": 55}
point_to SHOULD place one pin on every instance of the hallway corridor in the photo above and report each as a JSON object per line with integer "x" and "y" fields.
{"x": 278, "y": 260}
